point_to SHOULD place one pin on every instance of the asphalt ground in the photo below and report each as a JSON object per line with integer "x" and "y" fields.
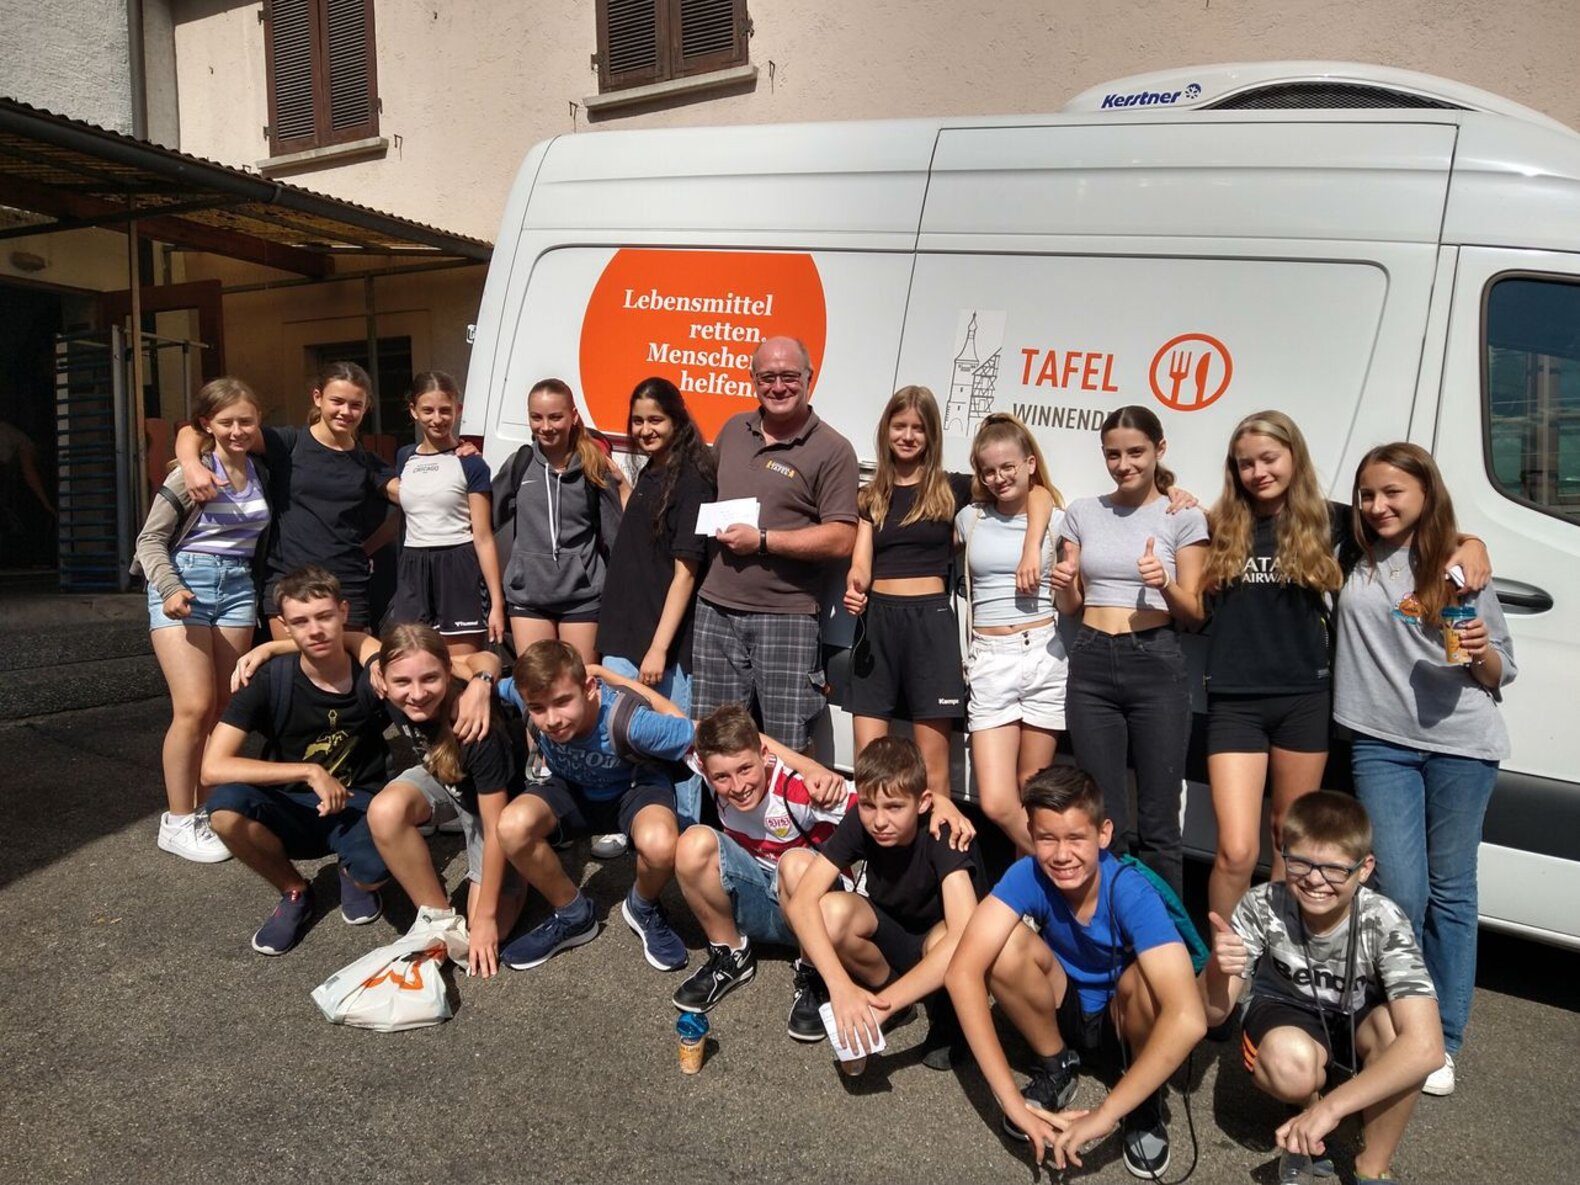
{"x": 143, "y": 1040}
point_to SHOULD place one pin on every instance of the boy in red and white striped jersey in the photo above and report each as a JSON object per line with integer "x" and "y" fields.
{"x": 730, "y": 875}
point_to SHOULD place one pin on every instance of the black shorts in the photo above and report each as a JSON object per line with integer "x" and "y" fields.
{"x": 906, "y": 661}
{"x": 1253, "y": 723}
{"x": 442, "y": 587}
{"x": 578, "y": 816}
{"x": 901, "y": 949}
{"x": 353, "y": 590}
{"x": 1266, "y": 1013}
{"x": 559, "y": 615}
{"x": 1085, "y": 1032}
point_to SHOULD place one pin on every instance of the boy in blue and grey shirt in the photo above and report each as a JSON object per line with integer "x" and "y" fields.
{"x": 607, "y": 773}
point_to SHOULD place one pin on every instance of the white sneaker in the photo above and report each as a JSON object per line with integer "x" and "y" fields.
{"x": 609, "y": 847}
{"x": 1441, "y": 1080}
{"x": 190, "y": 838}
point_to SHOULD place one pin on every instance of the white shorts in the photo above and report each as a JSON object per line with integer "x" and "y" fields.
{"x": 1017, "y": 679}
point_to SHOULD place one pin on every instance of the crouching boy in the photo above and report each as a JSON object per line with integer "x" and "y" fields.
{"x": 733, "y": 878}
{"x": 1106, "y": 967}
{"x": 881, "y": 952}
{"x": 594, "y": 787}
{"x": 1335, "y": 975}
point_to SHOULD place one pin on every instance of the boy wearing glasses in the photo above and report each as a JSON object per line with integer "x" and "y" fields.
{"x": 1339, "y": 991}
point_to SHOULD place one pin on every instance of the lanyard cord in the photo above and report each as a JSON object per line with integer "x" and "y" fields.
{"x": 1346, "y": 988}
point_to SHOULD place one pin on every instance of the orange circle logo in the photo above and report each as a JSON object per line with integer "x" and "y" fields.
{"x": 694, "y": 318}
{"x": 1191, "y": 372}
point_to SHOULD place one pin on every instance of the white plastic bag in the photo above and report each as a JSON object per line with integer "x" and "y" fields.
{"x": 398, "y": 986}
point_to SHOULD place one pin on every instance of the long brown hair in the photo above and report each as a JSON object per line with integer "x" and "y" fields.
{"x": 595, "y": 462}
{"x": 1002, "y": 427}
{"x": 444, "y": 748}
{"x": 341, "y": 372}
{"x": 1304, "y": 527}
{"x": 1436, "y": 533}
{"x": 214, "y": 397}
{"x": 1143, "y": 420}
{"x": 935, "y": 501}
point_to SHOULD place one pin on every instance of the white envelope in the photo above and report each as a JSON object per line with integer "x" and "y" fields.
{"x": 713, "y": 517}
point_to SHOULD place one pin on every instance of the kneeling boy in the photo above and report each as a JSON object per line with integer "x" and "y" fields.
{"x": 592, "y": 790}
{"x": 732, "y": 878}
{"x": 920, "y": 893}
{"x": 323, "y": 726}
{"x": 1334, "y": 974}
{"x": 1107, "y": 966}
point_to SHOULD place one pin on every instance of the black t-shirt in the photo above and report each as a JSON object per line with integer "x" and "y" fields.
{"x": 342, "y": 733}
{"x": 921, "y": 548}
{"x": 905, "y": 882}
{"x": 642, "y": 565}
{"x": 326, "y": 503}
{"x": 490, "y": 764}
{"x": 1268, "y": 636}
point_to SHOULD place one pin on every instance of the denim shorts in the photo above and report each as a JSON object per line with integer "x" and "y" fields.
{"x": 754, "y": 893}
{"x": 223, "y": 590}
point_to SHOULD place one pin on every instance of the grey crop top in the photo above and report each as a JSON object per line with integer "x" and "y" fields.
{"x": 1112, "y": 539}
{"x": 994, "y": 542}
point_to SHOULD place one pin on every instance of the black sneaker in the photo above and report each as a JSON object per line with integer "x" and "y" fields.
{"x": 1146, "y": 1139}
{"x": 945, "y": 1045}
{"x": 806, "y": 1023}
{"x": 1051, "y": 1088}
{"x": 724, "y": 971}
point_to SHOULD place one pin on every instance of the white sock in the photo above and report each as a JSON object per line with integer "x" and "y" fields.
{"x": 176, "y": 820}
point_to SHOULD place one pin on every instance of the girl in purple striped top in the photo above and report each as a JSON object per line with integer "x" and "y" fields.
{"x": 202, "y": 598}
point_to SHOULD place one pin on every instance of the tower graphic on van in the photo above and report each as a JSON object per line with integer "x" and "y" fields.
{"x": 973, "y": 383}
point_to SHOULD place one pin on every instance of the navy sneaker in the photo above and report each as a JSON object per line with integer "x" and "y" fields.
{"x": 661, "y": 946}
{"x": 284, "y": 928}
{"x": 1051, "y": 1088}
{"x": 564, "y": 928}
{"x": 358, "y": 906}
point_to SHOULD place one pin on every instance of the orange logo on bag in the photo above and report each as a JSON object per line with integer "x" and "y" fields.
{"x": 412, "y": 980}
{"x": 694, "y": 318}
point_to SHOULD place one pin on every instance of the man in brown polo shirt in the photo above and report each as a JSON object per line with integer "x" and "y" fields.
{"x": 756, "y": 631}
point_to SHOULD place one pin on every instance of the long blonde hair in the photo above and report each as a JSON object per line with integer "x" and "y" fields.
{"x": 444, "y": 749}
{"x": 1000, "y": 427}
{"x": 935, "y": 501}
{"x": 595, "y": 462}
{"x": 1304, "y": 527}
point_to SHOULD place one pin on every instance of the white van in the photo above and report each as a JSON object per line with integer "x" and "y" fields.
{"x": 1382, "y": 255}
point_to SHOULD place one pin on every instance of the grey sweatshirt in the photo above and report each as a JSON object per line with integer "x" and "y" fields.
{"x": 561, "y": 547}
{"x": 1390, "y": 679}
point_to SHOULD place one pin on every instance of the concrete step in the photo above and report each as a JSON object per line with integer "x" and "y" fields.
{"x": 32, "y": 649}
{"x": 42, "y": 690}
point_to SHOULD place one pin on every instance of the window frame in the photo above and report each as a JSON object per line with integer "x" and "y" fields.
{"x": 1570, "y": 279}
{"x": 669, "y": 63}
{"x": 323, "y": 135}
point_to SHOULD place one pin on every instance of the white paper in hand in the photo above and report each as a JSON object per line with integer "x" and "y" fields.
{"x": 713, "y": 517}
{"x": 845, "y": 1052}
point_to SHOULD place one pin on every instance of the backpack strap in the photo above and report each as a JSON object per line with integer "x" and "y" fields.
{"x": 280, "y": 680}
{"x": 625, "y": 705}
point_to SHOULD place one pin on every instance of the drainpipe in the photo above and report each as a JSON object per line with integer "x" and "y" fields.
{"x": 137, "y": 60}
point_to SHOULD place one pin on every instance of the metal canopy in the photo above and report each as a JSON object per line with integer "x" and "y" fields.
{"x": 62, "y": 174}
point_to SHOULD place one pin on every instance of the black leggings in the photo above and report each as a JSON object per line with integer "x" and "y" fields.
{"x": 1128, "y": 704}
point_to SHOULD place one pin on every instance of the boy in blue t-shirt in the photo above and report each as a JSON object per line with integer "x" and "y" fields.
{"x": 1105, "y": 963}
{"x": 592, "y": 789}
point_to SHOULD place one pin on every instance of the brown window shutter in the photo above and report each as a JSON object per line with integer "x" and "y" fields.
{"x": 630, "y": 33}
{"x": 352, "y": 84}
{"x": 288, "y": 51}
{"x": 712, "y": 35}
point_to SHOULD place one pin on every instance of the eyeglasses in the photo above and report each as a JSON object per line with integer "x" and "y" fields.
{"x": 1334, "y": 874}
{"x": 782, "y": 378}
{"x": 1005, "y": 472}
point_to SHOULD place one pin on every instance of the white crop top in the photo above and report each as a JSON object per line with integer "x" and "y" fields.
{"x": 994, "y": 542}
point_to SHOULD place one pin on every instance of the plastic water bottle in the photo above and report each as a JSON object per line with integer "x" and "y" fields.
{"x": 692, "y": 1029}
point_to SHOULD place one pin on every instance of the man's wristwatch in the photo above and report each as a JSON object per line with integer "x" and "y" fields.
{"x": 485, "y": 677}
{"x": 762, "y": 542}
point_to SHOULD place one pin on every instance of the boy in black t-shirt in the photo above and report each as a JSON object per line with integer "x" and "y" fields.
{"x": 882, "y": 951}
{"x": 325, "y": 758}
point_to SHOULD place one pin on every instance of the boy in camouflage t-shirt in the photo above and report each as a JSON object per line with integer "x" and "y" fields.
{"x": 1337, "y": 984}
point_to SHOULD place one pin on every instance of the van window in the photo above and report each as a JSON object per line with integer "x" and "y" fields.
{"x": 1532, "y": 394}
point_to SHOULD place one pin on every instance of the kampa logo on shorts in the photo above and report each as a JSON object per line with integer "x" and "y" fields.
{"x": 1150, "y": 98}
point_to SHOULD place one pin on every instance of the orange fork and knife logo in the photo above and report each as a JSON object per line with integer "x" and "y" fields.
{"x": 1191, "y": 371}
{"x": 411, "y": 980}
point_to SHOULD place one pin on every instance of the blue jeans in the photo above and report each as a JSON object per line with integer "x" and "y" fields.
{"x": 754, "y": 892}
{"x": 223, "y": 592}
{"x": 1426, "y": 811}
{"x": 675, "y": 686}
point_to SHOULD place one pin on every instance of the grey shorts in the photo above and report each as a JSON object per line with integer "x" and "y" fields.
{"x": 770, "y": 663}
{"x": 471, "y": 825}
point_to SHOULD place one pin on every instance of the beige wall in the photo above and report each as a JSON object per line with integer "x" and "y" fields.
{"x": 468, "y": 87}
{"x": 69, "y": 58}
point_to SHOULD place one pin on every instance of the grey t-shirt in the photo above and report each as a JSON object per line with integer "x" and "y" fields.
{"x": 993, "y": 543}
{"x": 1112, "y": 538}
{"x": 1390, "y": 677}
{"x": 1289, "y": 963}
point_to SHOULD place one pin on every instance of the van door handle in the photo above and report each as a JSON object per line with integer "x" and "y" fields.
{"x": 1525, "y": 598}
